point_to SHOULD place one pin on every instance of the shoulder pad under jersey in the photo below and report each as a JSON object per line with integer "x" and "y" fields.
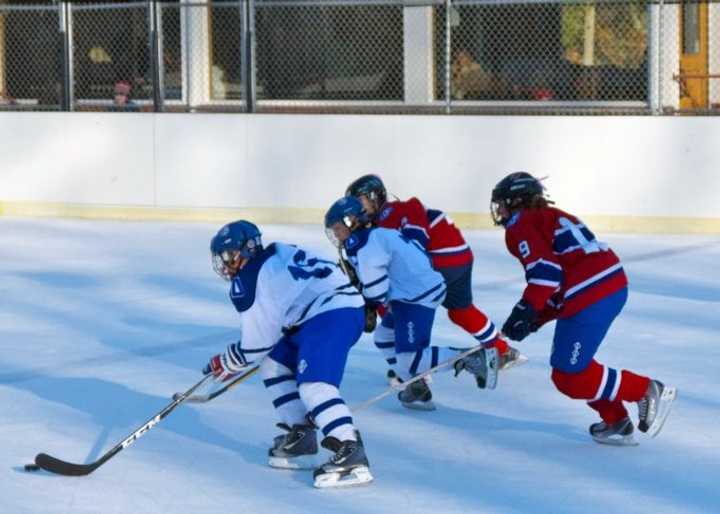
{"x": 384, "y": 213}
{"x": 513, "y": 219}
{"x": 357, "y": 240}
{"x": 243, "y": 286}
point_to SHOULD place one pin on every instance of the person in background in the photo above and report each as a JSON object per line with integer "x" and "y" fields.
{"x": 121, "y": 97}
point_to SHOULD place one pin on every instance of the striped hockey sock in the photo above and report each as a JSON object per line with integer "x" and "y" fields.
{"x": 384, "y": 339}
{"x": 476, "y": 323}
{"x": 281, "y": 383}
{"x": 328, "y": 410}
{"x": 412, "y": 363}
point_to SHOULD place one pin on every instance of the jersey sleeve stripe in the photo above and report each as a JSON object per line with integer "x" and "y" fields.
{"x": 339, "y": 293}
{"x": 439, "y": 297}
{"x": 418, "y": 234}
{"x": 375, "y": 282}
{"x": 450, "y": 249}
{"x": 531, "y": 265}
{"x": 344, "y": 286}
{"x": 377, "y": 298}
{"x": 305, "y": 312}
{"x": 244, "y": 351}
{"x": 426, "y": 293}
{"x": 606, "y": 273}
{"x": 544, "y": 283}
{"x": 435, "y": 217}
{"x": 236, "y": 355}
{"x": 544, "y": 274}
{"x": 409, "y": 226}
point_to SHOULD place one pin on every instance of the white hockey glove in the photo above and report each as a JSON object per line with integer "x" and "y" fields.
{"x": 224, "y": 365}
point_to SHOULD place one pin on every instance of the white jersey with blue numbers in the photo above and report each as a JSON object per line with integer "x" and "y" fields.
{"x": 392, "y": 267}
{"x": 283, "y": 287}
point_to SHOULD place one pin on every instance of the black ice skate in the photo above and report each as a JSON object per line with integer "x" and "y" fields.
{"x": 417, "y": 396}
{"x": 654, "y": 407}
{"x": 617, "y": 434}
{"x": 512, "y": 358}
{"x": 297, "y": 449}
{"x": 348, "y": 466}
{"x": 483, "y": 364}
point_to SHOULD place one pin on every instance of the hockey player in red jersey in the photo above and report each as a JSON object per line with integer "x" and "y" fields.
{"x": 574, "y": 278}
{"x": 451, "y": 256}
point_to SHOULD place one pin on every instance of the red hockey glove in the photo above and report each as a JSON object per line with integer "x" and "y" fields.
{"x": 225, "y": 365}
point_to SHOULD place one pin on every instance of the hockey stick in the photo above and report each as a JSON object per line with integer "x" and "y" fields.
{"x": 61, "y": 467}
{"x": 202, "y": 398}
{"x": 492, "y": 380}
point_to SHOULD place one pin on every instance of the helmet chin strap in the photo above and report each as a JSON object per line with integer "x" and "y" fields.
{"x": 242, "y": 262}
{"x": 236, "y": 265}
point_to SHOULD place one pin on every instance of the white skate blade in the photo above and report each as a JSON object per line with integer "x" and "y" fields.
{"x": 426, "y": 406}
{"x": 301, "y": 462}
{"x": 665, "y": 404}
{"x": 493, "y": 359}
{"x": 521, "y": 359}
{"x": 617, "y": 440}
{"x": 357, "y": 476}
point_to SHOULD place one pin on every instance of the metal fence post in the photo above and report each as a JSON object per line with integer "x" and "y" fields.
{"x": 65, "y": 17}
{"x": 448, "y": 57}
{"x": 155, "y": 56}
{"x": 660, "y": 57}
{"x": 248, "y": 63}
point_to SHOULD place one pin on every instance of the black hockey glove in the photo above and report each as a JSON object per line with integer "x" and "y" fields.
{"x": 370, "y": 318}
{"x": 521, "y": 321}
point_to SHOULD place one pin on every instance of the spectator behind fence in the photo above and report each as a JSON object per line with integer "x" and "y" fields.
{"x": 6, "y": 99}
{"x": 121, "y": 99}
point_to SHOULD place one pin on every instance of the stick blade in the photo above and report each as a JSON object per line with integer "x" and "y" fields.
{"x": 60, "y": 467}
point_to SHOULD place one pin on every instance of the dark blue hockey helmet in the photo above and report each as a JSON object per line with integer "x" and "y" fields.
{"x": 346, "y": 212}
{"x": 233, "y": 242}
{"x": 516, "y": 190}
{"x": 370, "y": 186}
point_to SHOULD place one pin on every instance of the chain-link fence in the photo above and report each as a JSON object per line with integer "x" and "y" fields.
{"x": 31, "y": 67}
{"x": 444, "y": 56}
{"x": 111, "y": 59}
{"x": 334, "y": 51}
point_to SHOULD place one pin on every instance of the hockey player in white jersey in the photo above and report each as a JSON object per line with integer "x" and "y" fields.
{"x": 395, "y": 271}
{"x": 300, "y": 317}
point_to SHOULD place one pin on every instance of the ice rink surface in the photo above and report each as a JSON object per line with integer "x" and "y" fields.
{"x": 101, "y": 322}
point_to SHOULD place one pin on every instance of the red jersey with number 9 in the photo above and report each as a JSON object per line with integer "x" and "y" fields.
{"x": 566, "y": 268}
